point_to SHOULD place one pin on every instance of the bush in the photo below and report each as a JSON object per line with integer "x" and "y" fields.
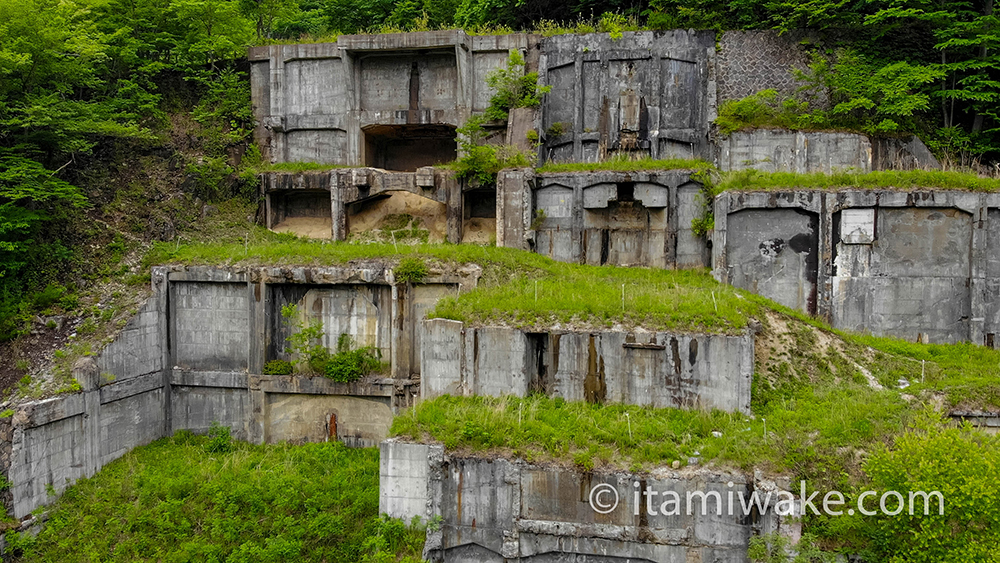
{"x": 220, "y": 441}
{"x": 278, "y": 367}
{"x": 349, "y": 365}
{"x": 411, "y": 270}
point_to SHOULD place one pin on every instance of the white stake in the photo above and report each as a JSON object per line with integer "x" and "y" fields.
{"x": 629, "y": 420}
{"x": 623, "y": 298}
{"x": 714, "y": 302}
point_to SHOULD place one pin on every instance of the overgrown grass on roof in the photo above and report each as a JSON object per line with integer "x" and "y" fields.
{"x": 518, "y": 288}
{"x": 890, "y": 179}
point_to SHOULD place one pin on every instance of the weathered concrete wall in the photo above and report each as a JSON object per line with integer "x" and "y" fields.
{"x": 57, "y": 441}
{"x": 658, "y": 369}
{"x": 623, "y": 218}
{"x": 403, "y": 476}
{"x": 138, "y": 348}
{"x": 648, "y": 93}
{"x": 789, "y": 151}
{"x": 917, "y": 265}
{"x": 390, "y": 100}
{"x": 498, "y": 510}
{"x": 192, "y": 357}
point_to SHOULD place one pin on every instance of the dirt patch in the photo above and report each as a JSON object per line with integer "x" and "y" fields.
{"x": 479, "y": 230}
{"x": 372, "y": 216}
{"x": 309, "y": 227}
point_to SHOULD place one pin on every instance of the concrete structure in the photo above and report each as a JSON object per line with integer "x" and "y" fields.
{"x": 638, "y": 218}
{"x": 499, "y": 510}
{"x": 646, "y": 93}
{"x": 194, "y": 353}
{"x": 390, "y": 101}
{"x": 791, "y": 151}
{"x": 336, "y": 196}
{"x": 918, "y": 265}
{"x": 657, "y": 369}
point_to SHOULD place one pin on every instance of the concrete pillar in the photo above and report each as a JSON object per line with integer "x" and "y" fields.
{"x": 258, "y": 411}
{"x": 978, "y": 265}
{"x": 721, "y": 214}
{"x": 514, "y": 207}
{"x": 337, "y": 211}
{"x": 455, "y": 211}
{"x": 257, "y": 300}
{"x": 824, "y": 273}
{"x": 161, "y": 295}
{"x": 87, "y": 375}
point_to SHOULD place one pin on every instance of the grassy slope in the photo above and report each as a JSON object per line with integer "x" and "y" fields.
{"x": 889, "y": 179}
{"x": 174, "y": 500}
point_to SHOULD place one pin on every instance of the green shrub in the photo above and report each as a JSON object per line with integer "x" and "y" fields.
{"x": 411, "y": 270}
{"x": 170, "y": 501}
{"x": 352, "y": 364}
{"x": 513, "y": 88}
{"x": 961, "y": 464}
{"x": 278, "y": 367}
{"x": 219, "y": 439}
{"x": 305, "y": 342}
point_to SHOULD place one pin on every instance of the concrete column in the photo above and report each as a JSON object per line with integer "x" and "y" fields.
{"x": 513, "y": 207}
{"x": 161, "y": 294}
{"x": 86, "y": 374}
{"x": 258, "y": 411}
{"x": 337, "y": 212}
{"x": 824, "y": 268}
{"x": 455, "y": 211}
{"x": 978, "y": 265}
{"x": 277, "y": 97}
{"x": 258, "y": 321}
{"x": 721, "y": 214}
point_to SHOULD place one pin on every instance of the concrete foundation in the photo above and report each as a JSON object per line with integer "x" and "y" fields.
{"x": 499, "y": 510}
{"x": 657, "y": 369}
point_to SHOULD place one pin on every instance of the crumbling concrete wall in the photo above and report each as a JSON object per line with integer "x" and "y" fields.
{"x": 499, "y": 510}
{"x": 306, "y": 203}
{"x": 138, "y": 349}
{"x": 391, "y": 100}
{"x": 646, "y": 93}
{"x": 658, "y": 369}
{"x": 193, "y": 355}
{"x": 624, "y": 218}
{"x": 916, "y": 265}
{"x": 795, "y": 151}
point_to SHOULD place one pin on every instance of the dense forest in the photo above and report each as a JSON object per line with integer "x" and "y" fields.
{"x": 94, "y": 91}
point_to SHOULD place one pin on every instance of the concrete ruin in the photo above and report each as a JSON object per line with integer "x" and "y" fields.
{"x": 495, "y": 510}
{"x": 656, "y": 369}
{"x": 918, "y": 265}
{"x": 194, "y": 355}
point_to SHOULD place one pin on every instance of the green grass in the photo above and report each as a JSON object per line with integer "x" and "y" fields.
{"x": 815, "y": 434}
{"x": 895, "y": 179}
{"x": 174, "y": 500}
{"x": 627, "y": 165}
{"x": 518, "y": 288}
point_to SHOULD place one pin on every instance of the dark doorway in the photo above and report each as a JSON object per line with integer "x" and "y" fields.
{"x": 408, "y": 147}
